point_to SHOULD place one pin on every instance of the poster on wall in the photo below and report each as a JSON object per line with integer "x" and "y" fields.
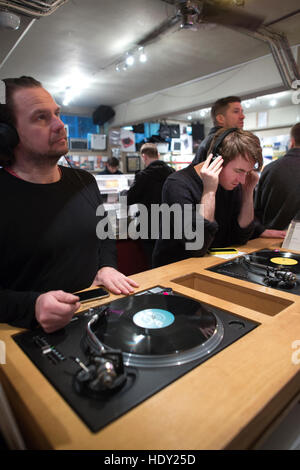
{"x": 114, "y": 136}
{"x": 186, "y": 144}
{"x": 127, "y": 141}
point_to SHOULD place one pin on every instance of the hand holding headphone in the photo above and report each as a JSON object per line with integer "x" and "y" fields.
{"x": 209, "y": 172}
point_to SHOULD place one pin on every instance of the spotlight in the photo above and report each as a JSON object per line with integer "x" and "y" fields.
{"x": 190, "y": 12}
{"x": 142, "y": 57}
{"x": 129, "y": 60}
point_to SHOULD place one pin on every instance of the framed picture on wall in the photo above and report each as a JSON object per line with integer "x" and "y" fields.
{"x": 133, "y": 163}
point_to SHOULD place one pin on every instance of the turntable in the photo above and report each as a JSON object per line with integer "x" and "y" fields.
{"x": 112, "y": 357}
{"x": 272, "y": 268}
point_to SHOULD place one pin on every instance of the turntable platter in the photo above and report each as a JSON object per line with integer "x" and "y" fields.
{"x": 159, "y": 330}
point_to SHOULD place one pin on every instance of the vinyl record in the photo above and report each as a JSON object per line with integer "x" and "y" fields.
{"x": 277, "y": 259}
{"x": 272, "y": 268}
{"x": 159, "y": 330}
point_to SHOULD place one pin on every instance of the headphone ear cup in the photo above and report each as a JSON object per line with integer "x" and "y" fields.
{"x": 9, "y": 138}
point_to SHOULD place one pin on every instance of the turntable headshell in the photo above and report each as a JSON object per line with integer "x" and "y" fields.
{"x": 273, "y": 276}
{"x": 105, "y": 369}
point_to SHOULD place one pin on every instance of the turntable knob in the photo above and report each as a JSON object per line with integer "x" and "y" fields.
{"x": 236, "y": 324}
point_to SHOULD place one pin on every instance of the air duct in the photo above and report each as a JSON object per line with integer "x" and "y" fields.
{"x": 33, "y": 8}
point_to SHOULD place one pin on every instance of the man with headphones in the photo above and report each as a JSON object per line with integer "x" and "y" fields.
{"x": 49, "y": 246}
{"x": 219, "y": 192}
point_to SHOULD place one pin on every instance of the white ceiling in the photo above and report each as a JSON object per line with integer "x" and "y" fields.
{"x": 85, "y": 39}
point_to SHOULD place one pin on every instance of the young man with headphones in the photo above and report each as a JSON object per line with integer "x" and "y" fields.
{"x": 219, "y": 192}
{"x": 49, "y": 246}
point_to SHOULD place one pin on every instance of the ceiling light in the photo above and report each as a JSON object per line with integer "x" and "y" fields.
{"x": 273, "y": 102}
{"x": 73, "y": 85}
{"x": 143, "y": 57}
{"x": 190, "y": 117}
{"x": 129, "y": 60}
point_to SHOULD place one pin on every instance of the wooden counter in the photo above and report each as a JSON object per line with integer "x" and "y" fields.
{"x": 229, "y": 401}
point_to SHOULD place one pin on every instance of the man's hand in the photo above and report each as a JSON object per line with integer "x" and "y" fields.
{"x": 269, "y": 233}
{"x": 54, "y": 309}
{"x": 251, "y": 181}
{"x": 209, "y": 173}
{"x": 114, "y": 281}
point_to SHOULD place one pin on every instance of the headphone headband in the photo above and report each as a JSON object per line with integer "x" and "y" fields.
{"x": 220, "y": 140}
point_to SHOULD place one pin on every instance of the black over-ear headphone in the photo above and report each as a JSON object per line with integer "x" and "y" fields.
{"x": 8, "y": 134}
{"x": 219, "y": 141}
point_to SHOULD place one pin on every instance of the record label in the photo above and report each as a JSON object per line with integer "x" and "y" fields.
{"x": 153, "y": 318}
{"x": 284, "y": 261}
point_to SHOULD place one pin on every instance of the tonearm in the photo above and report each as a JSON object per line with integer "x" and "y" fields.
{"x": 273, "y": 276}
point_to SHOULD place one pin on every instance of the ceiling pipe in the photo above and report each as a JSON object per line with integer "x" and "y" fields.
{"x": 282, "y": 54}
{"x": 17, "y": 42}
{"x": 37, "y": 9}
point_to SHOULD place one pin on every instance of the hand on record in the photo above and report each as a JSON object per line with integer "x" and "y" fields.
{"x": 273, "y": 234}
{"x": 209, "y": 173}
{"x": 55, "y": 309}
{"x": 114, "y": 281}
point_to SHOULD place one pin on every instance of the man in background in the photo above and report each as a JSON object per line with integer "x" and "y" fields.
{"x": 111, "y": 167}
{"x": 225, "y": 112}
{"x": 147, "y": 187}
{"x": 277, "y": 198}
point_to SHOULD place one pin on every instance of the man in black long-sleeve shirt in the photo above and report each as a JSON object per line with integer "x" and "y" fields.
{"x": 49, "y": 246}
{"x": 224, "y": 188}
{"x": 228, "y": 112}
{"x": 225, "y": 112}
{"x": 147, "y": 187}
{"x": 277, "y": 199}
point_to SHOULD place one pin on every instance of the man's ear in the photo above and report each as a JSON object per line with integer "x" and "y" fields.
{"x": 292, "y": 142}
{"x": 220, "y": 120}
